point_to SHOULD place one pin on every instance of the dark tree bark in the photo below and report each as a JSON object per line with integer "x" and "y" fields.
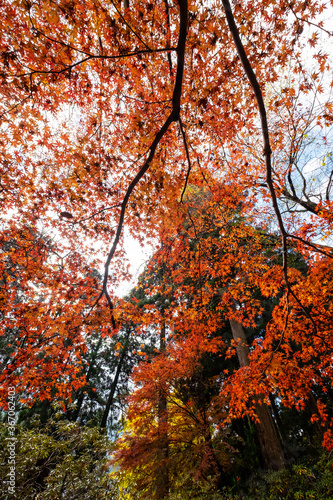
{"x": 162, "y": 481}
{"x": 313, "y": 407}
{"x": 75, "y": 414}
{"x": 113, "y": 387}
{"x": 269, "y": 441}
{"x": 278, "y": 421}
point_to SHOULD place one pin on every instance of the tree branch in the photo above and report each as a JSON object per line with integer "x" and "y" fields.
{"x": 188, "y": 158}
{"x": 173, "y": 116}
{"x": 267, "y": 147}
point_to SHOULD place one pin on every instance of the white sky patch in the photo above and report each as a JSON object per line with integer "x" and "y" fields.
{"x": 138, "y": 257}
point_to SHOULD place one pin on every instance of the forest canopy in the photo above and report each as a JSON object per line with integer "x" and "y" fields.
{"x": 203, "y": 129}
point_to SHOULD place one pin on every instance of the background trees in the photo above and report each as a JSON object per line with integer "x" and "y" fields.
{"x": 59, "y": 460}
{"x": 193, "y": 371}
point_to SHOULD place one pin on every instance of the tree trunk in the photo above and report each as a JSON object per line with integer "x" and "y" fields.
{"x": 75, "y": 414}
{"x": 162, "y": 480}
{"x": 215, "y": 468}
{"x": 267, "y": 435}
{"x": 114, "y": 383}
{"x": 277, "y": 419}
{"x": 313, "y": 407}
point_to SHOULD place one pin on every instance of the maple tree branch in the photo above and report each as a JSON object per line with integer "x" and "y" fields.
{"x": 67, "y": 45}
{"x": 173, "y": 116}
{"x": 267, "y": 147}
{"x": 79, "y": 50}
{"x": 188, "y": 158}
{"x": 92, "y": 57}
{"x": 15, "y": 106}
{"x": 312, "y": 245}
{"x": 145, "y": 102}
{"x": 264, "y": 124}
{"x": 309, "y": 206}
{"x": 317, "y": 247}
{"x": 190, "y": 413}
{"x": 183, "y": 8}
{"x": 96, "y": 213}
{"x": 128, "y": 25}
{"x": 261, "y": 105}
{"x": 130, "y": 188}
{"x": 310, "y": 23}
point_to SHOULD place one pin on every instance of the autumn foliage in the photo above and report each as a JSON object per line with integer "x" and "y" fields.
{"x": 205, "y": 131}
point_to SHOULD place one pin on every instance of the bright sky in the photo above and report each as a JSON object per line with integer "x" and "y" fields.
{"x": 138, "y": 258}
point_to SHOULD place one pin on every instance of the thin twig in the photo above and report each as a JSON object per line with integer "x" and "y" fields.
{"x": 310, "y": 23}
{"x": 128, "y": 25}
{"x": 311, "y": 245}
{"x": 33, "y": 71}
{"x": 96, "y": 213}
